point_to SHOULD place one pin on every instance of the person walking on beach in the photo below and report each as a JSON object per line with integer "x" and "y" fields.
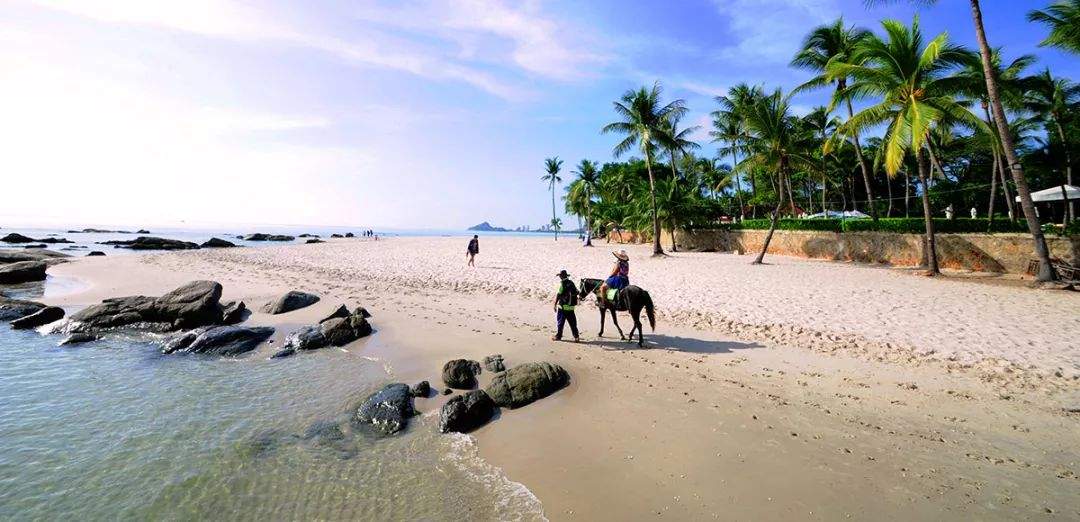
{"x": 565, "y": 302}
{"x": 472, "y": 250}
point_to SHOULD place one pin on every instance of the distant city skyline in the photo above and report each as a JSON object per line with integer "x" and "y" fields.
{"x": 416, "y": 114}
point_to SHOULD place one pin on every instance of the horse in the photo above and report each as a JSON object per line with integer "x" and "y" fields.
{"x": 630, "y": 299}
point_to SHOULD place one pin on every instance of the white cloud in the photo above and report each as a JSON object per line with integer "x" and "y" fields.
{"x": 768, "y": 32}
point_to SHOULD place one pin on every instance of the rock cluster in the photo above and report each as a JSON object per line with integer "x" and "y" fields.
{"x": 22, "y": 272}
{"x": 386, "y": 411}
{"x": 11, "y": 309}
{"x": 268, "y": 237}
{"x": 19, "y": 238}
{"x": 460, "y": 374}
{"x": 151, "y": 243}
{"x": 192, "y": 305}
{"x": 217, "y": 243}
{"x": 332, "y": 331}
{"x": 219, "y": 340}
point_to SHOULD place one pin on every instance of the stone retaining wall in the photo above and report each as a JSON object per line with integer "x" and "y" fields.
{"x": 1003, "y": 253}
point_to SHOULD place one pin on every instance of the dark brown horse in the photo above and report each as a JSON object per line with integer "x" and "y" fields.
{"x": 630, "y": 299}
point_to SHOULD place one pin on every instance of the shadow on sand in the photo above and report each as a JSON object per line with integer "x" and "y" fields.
{"x": 675, "y": 343}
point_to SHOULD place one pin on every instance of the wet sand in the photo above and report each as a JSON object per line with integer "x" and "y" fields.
{"x": 799, "y": 389}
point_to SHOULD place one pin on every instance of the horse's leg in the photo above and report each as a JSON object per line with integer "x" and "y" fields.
{"x": 635, "y": 313}
{"x": 603, "y": 314}
{"x": 615, "y": 321}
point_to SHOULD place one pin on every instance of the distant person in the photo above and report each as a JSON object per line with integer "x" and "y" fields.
{"x": 949, "y": 212}
{"x": 472, "y": 250}
{"x": 620, "y": 275}
{"x": 565, "y": 302}
{"x": 974, "y": 213}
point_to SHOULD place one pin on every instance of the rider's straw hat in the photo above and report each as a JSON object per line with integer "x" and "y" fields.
{"x": 621, "y": 255}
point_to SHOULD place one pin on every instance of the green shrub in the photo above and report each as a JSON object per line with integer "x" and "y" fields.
{"x": 895, "y": 225}
{"x": 828, "y": 225}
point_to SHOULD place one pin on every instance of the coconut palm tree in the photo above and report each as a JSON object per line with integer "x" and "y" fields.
{"x": 824, "y": 44}
{"x": 644, "y": 119}
{"x": 1063, "y": 19}
{"x": 677, "y": 141}
{"x": 1051, "y": 99}
{"x": 1046, "y": 269}
{"x": 774, "y": 143}
{"x": 819, "y": 123}
{"x": 913, "y": 79}
{"x": 729, "y": 128}
{"x": 586, "y": 187}
{"x": 553, "y": 166}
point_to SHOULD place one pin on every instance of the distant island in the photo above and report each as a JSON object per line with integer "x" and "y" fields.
{"x": 488, "y": 227}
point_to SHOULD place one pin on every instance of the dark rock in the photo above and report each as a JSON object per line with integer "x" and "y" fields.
{"x": 194, "y": 304}
{"x": 526, "y": 383}
{"x": 308, "y": 235}
{"x": 313, "y": 241}
{"x": 290, "y": 301}
{"x": 387, "y": 411}
{"x": 268, "y": 237}
{"x": 115, "y": 312}
{"x": 350, "y": 234}
{"x": 7, "y": 256}
{"x": 142, "y": 231}
{"x": 11, "y": 309}
{"x": 79, "y": 338}
{"x": 306, "y": 338}
{"x": 227, "y": 340}
{"x": 447, "y": 391}
{"x": 217, "y": 243}
{"x": 39, "y": 318}
{"x": 342, "y": 331}
{"x": 95, "y": 253}
{"x": 284, "y": 352}
{"x": 234, "y": 312}
{"x": 338, "y": 236}
{"x": 461, "y": 374}
{"x": 16, "y": 238}
{"x": 54, "y": 240}
{"x": 181, "y": 340}
{"x": 421, "y": 389}
{"x": 152, "y": 243}
{"x": 466, "y": 412}
{"x": 340, "y": 313}
{"x": 103, "y": 231}
{"x": 35, "y": 246}
{"x": 22, "y": 272}
{"x": 494, "y": 363}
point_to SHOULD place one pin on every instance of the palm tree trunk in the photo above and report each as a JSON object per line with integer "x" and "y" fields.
{"x": 738, "y": 185}
{"x": 862, "y": 166}
{"x": 907, "y": 193}
{"x": 993, "y": 186}
{"x": 1046, "y": 270}
{"x": 772, "y": 224}
{"x": 1009, "y": 202}
{"x": 824, "y": 187}
{"x": 790, "y": 194}
{"x": 588, "y": 223}
{"x": 657, "y": 249}
{"x": 888, "y": 184}
{"x": 553, "y": 218}
{"x": 929, "y": 243}
{"x": 1070, "y": 209}
{"x": 934, "y": 161}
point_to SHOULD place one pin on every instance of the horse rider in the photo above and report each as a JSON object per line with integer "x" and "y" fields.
{"x": 620, "y": 275}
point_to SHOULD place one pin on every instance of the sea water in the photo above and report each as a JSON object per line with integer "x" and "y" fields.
{"x": 115, "y": 430}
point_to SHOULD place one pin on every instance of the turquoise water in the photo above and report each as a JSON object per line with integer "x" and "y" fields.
{"x": 115, "y": 430}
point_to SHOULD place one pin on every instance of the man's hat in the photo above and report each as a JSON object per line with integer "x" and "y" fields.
{"x": 562, "y": 273}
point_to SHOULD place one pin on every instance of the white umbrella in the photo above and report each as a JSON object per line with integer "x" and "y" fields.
{"x": 1054, "y": 194}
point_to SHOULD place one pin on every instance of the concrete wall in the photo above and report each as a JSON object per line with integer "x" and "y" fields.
{"x": 1005, "y": 253}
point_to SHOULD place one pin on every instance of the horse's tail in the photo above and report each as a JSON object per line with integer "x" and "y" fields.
{"x": 649, "y": 311}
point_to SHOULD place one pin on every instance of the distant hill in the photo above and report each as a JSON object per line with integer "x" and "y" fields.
{"x": 486, "y": 227}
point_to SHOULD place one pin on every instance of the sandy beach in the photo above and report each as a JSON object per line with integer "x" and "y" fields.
{"x": 796, "y": 389}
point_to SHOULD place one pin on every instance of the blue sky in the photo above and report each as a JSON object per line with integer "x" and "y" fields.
{"x": 433, "y": 114}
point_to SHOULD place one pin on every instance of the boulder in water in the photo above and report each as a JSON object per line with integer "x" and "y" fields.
{"x": 461, "y": 374}
{"x": 22, "y": 272}
{"x": 11, "y": 309}
{"x": 306, "y": 338}
{"x": 340, "y": 313}
{"x": 195, "y": 304}
{"x": 78, "y": 338}
{"x": 95, "y": 253}
{"x": 16, "y": 238}
{"x": 268, "y": 237}
{"x": 227, "y": 340}
{"x": 466, "y": 412}
{"x": 39, "y": 318}
{"x": 350, "y": 234}
{"x": 494, "y": 363}
{"x": 342, "y": 331}
{"x": 152, "y": 243}
{"x": 217, "y": 243}
{"x": 313, "y": 241}
{"x": 525, "y": 383}
{"x": 114, "y": 313}
{"x": 293, "y": 300}
{"x": 387, "y": 411}
{"x": 337, "y": 236}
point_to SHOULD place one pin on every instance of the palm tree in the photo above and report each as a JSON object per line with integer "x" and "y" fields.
{"x": 552, "y": 166}
{"x": 644, "y": 119}
{"x": 586, "y": 187}
{"x": 828, "y": 43}
{"x": 1046, "y": 269}
{"x": 556, "y": 224}
{"x": 774, "y": 143}
{"x": 729, "y": 128}
{"x": 1051, "y": 99}
{"x": 677, "y": 141}
{"x": 1063, "y": 18}
{"x": 819, "y": 122}
{"x": 918, "y": 93}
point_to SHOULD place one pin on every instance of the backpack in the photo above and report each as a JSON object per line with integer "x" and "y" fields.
{"x": 568, "y": 287}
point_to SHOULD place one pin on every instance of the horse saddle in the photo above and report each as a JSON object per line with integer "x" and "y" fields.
{"x": 611, "y": 294}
